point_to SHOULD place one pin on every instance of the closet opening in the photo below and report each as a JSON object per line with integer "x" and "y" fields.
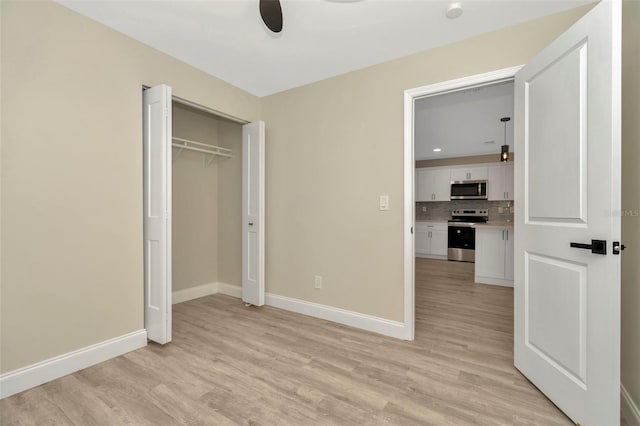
{"x": 206, "y": 205}
{"x": 203, "y": 182}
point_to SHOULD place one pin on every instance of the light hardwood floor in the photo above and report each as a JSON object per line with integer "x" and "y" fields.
{"x": 229, "y": 364}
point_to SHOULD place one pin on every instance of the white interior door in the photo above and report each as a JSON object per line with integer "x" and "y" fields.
{"x": 157, "y": 213}
{"x": 253, "y": 213}
{"x": 567, "y": 299}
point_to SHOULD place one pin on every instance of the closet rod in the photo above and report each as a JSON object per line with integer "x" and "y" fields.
{"x": 209, "y": 149}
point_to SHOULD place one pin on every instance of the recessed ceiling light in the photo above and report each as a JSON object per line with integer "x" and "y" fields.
{"x": 437, "y": 149}
{"x": 454, "y": 10}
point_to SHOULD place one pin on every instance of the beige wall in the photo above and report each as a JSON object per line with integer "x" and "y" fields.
{"x": 71, "y": 181}
{"x": 335, "y": 146}
{"x": 195, "y": 202}
{"x": 230, "y": 205}
{"x": 630, "y": 374}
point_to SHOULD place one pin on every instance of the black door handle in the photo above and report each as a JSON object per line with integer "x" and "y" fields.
{"x": 596, "y": 246}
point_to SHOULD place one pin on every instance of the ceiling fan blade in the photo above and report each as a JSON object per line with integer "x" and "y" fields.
{"x": 271, "y": 13}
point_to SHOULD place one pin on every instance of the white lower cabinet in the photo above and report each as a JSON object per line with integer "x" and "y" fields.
{"x": 494, "y": 256}
{"x": 431, "y": 240}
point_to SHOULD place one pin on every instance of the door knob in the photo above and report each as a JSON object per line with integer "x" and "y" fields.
{"x": 596, "y": 246}
{"x": 250, "y": 223}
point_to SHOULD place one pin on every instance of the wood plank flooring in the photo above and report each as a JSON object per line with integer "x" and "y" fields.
{"x": 229, "y": 365}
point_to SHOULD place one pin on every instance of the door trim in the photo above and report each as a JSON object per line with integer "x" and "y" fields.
{"x": 410, "y": 95}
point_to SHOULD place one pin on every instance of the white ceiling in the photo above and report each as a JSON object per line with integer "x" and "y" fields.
{"x": 320, "y": 38}
{"x": 464, "y": 123}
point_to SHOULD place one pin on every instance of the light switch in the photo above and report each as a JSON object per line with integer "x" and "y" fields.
{"x": 384, "y": 202}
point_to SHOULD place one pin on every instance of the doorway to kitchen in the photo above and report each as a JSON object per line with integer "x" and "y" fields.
{"x": 440, "y": 181}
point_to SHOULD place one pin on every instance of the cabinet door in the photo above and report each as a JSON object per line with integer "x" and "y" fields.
{"x": 459, "y": 173}
{"x": 500, "y": 186}
{"x": 490, "y": 247}
{"x": 508, "y": 181}
{"x": 496, "y": 183}
{"x": 439, "y": 242}
{"x": 432, "y": 185}
{"x": 422, "y": 241}
{"x": 469, "y": 173}
{"x": 508, "y": 255}
{"x": 477, "y": 173}
{"x": 441, "y": 184}
{"x": 422, "y": 188}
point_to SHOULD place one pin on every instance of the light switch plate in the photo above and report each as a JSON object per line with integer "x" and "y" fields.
{"x": 384, "y": 202}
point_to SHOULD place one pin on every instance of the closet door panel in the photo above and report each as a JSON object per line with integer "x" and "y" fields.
{"x": 157, "y": 211}
{"x": 253, "y": 213}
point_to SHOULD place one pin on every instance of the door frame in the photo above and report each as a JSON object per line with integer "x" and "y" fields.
{"x": 410, "y": 96}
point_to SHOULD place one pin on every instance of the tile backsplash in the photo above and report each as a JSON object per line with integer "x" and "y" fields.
{"x": 442, "y": 209}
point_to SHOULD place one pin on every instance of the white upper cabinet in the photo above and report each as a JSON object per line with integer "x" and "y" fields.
{"x": 500, "y": 182}
{"x": 468, "y": 173}
{"x": 433, "y": 184}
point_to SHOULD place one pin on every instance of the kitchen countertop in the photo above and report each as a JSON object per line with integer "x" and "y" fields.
{"x": 494, "y": 225}
{"x": 431, "y": 220}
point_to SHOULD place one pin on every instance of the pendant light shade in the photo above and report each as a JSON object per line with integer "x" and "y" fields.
{"x": 504, "y": 153}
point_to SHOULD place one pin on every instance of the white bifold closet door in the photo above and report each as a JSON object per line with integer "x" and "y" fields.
{"x": 567, "y": 290}
{"x": 253, "y": 140}
{"x": 157, "y": 213}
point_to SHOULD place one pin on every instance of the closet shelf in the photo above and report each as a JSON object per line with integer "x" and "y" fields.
{"x": 201, "y": 147}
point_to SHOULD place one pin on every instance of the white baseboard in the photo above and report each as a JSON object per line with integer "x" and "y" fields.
{"x": 354, "y": 319}
{"x": 431, "y": 256}
{"x": 628, "y": 407}
{"x": 230, "y": 290}
{"x": 194, "y": 292}
{"x": 53, "y": 368}
{"x": 493, "y": 281}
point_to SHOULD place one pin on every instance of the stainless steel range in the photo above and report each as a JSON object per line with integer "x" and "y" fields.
{"x": 462, "y": 235}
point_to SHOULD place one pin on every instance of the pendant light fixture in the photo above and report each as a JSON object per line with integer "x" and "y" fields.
{"x": 504, "y": 154}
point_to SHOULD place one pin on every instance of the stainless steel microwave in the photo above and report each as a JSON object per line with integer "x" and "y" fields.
{"x": 469, "y": 190}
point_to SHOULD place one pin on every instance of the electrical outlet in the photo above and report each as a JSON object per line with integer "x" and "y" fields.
{"x": 500, "y": 210}
{"x": 317, "y": 281}
{"x": 511, "y": 209}
{"x": 424, "y": 209}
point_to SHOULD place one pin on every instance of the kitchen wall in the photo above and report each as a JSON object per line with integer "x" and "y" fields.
{"x": 441, "y": 210}
{"x": 335, "y": 146}
{"x": 630, "y": 338}
{"x": 71, "y": 182}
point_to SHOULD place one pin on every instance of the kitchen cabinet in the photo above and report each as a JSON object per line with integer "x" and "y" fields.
{"x": 500, "y": 182}
{"x": 468, "y": 173}
{"x": 433, "y": 184}
{"x": 494, "y": 256}
{"x": 431, "y": 240}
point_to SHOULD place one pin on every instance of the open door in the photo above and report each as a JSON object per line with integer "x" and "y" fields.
{"x": 157, "y": 213}
{"x": 567, "y": 287}
{"x": 253, "y": 213}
